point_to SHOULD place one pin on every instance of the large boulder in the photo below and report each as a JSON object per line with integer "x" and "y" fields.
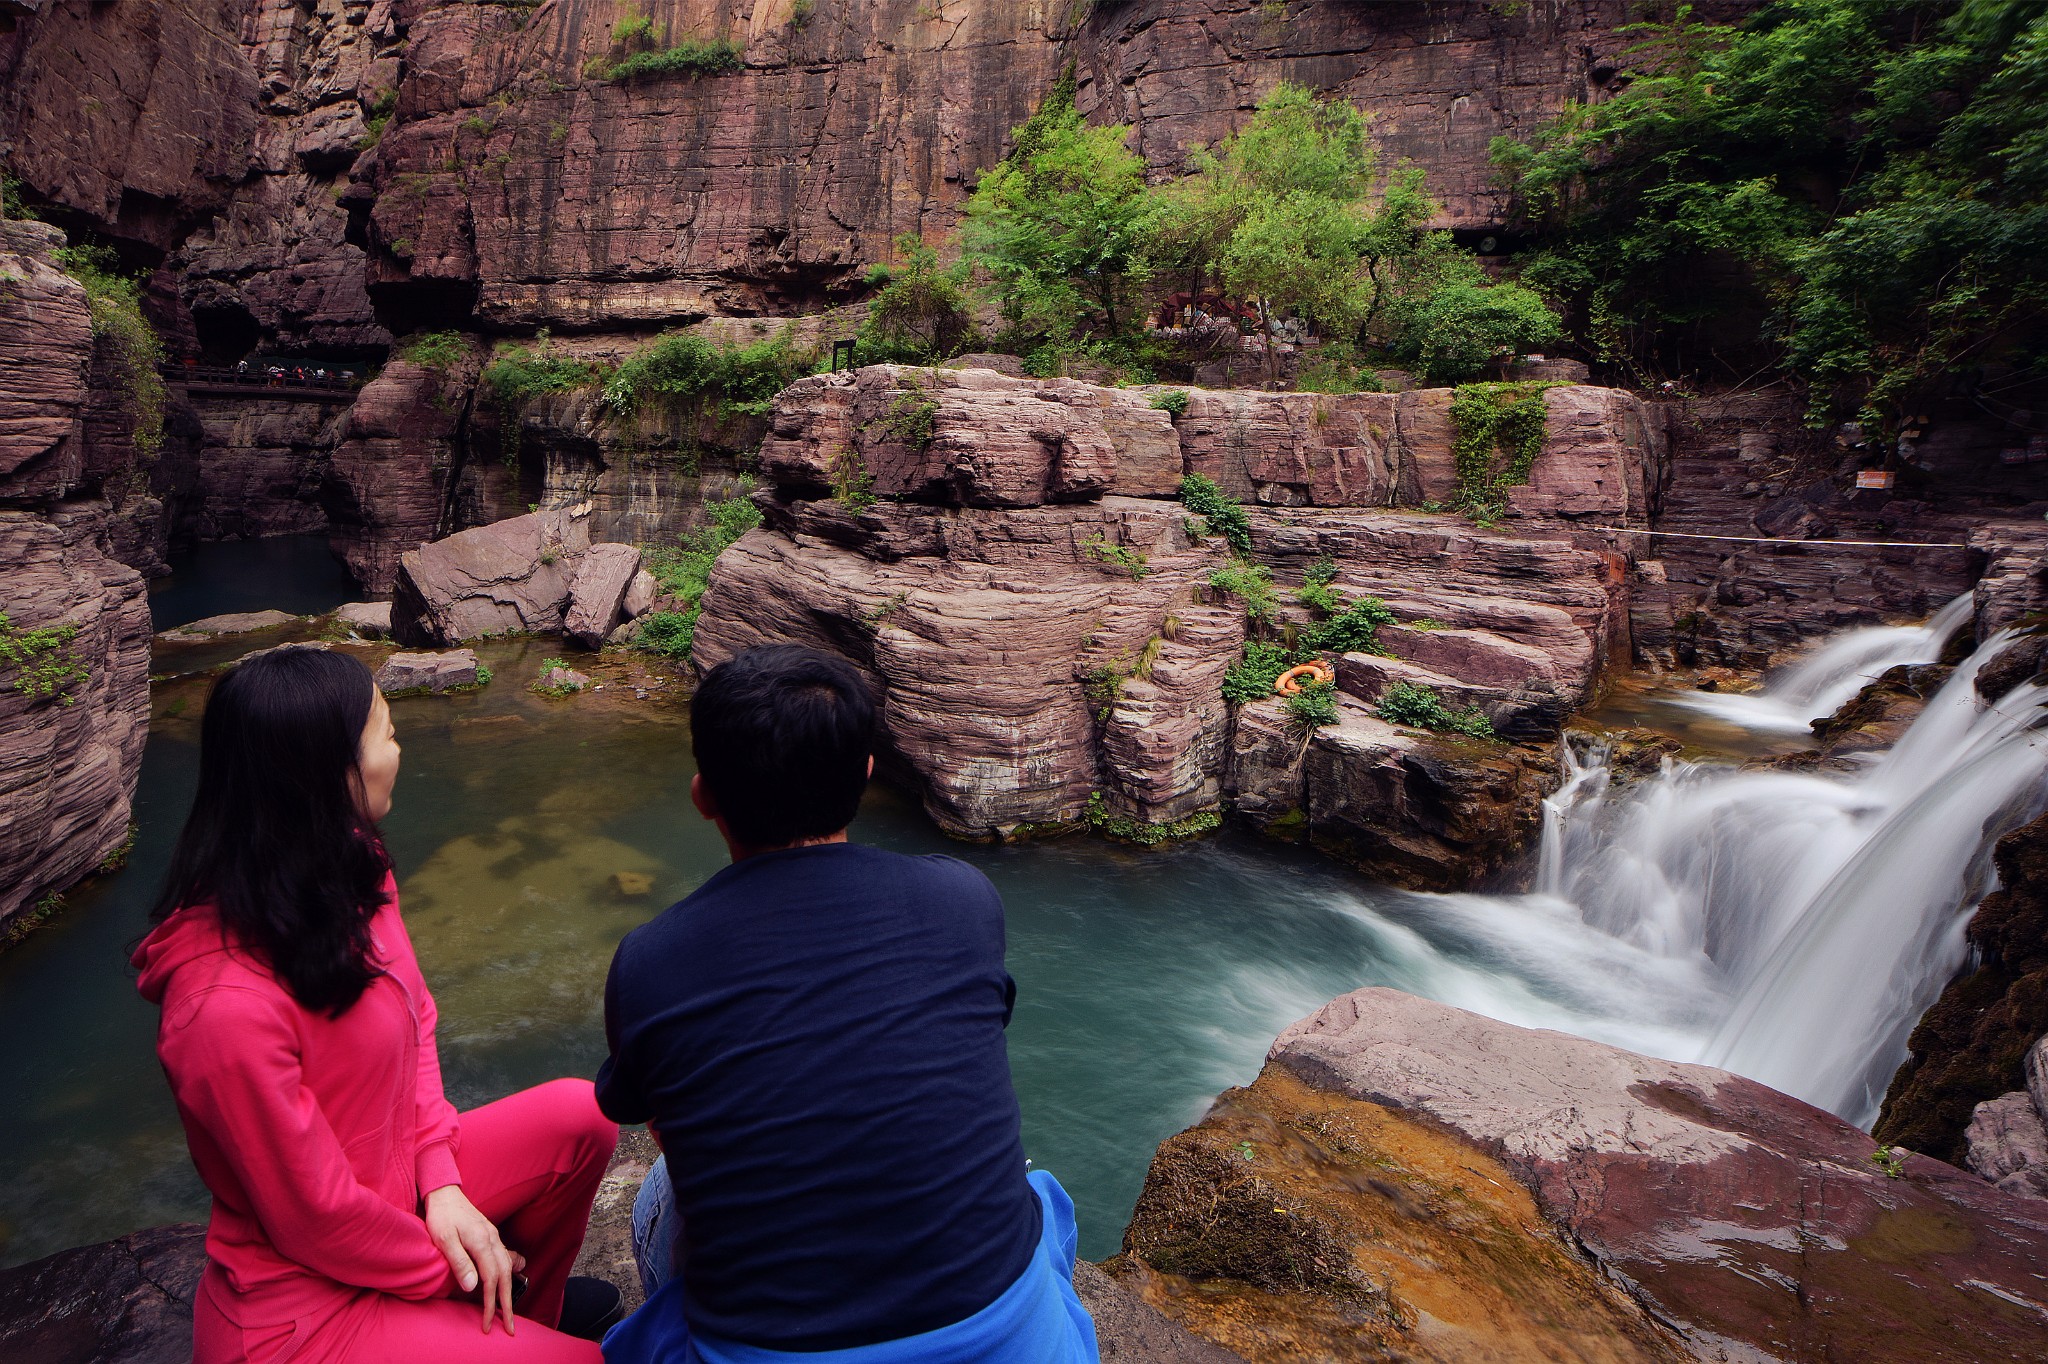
{"x": 1407, "y": 1180}
{"x": 509, "y": 577}
{"x": 597, "y": 595}
{"x": 451, "y": 670}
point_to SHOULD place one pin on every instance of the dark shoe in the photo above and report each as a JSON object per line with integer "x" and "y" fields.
{"x": 590, "y": 1307}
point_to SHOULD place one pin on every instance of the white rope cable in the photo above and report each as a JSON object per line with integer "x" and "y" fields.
{"x": 1776, "y": 540}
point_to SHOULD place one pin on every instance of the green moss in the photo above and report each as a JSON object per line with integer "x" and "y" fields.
{"x": 43, "y": 659}
{"x": 1098, "y": 816}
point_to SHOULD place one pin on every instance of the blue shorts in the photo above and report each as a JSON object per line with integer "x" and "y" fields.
{"x": 1037, "y": 1320}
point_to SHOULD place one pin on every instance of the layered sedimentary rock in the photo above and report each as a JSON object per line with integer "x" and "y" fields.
{"x": 1409, "y": 1181}
{"x": 403, "y": 448}
{"x": 1006, "y": 559}
{"x": 74, "y": 673}
{"x": 510, "y": 577}
{"x": 261, "y": 468}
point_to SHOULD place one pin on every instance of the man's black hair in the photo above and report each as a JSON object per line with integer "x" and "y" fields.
{"x": 783, "y": 734}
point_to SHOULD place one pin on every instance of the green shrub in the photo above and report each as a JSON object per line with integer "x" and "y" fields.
{"x": 668, "y": 633}
{"x": 1315, "y": 592}
{"x": 1354, "y": 630}
{"x": 683, "y": 570}
{"x": 633, "y": 33}
{"x": 1174, "y": 402}
{"x": 853, "y": 484}
{"x": 1252, "y": 583}
{"x": 1409, "y": 703}
{"x": 1098, "y": 816}
{"x": 695, "y": 375}
{"x": 912, "y": 417}
{"x": 921, "y": 312}
{"x": 692, "y": 57}
{"x": 1332, "y": 371}
{"x": 1463, "y": 326}
{"x": 124, "y": 337}
{"x": 520, "y": 374}
{"x": 1313, "y": 706}
{"x": 436, "y": 350}
{"x": 1252, "y": 677}
{"x": 1223, "y": 515}
{"x": 1129, "y": 560}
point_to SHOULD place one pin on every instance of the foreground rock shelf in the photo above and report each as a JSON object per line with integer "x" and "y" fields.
{"x": 1407, "y": 1181}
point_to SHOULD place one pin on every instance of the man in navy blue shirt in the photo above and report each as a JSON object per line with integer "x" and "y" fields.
{"x": 815, "y": 1037}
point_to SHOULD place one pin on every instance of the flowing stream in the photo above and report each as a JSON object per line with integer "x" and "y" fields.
{"x": 1788, "y": 925}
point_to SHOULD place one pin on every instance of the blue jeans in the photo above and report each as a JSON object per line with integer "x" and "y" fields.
{"x": 654, "y": 1229}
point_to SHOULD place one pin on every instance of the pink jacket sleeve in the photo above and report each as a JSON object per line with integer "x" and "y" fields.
{"x": 250, "y": 1098}
{"x": 440, "y": 1133}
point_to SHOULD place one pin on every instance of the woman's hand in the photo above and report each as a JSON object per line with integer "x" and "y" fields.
{"x": 474, "y": 1251}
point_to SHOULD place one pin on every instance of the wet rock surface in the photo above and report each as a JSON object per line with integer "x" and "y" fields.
{"x": 235, "y": 623}
{"x": 121, "y": 1302}
{"x": 1972, "y": 1046}
{"x": 1683, "y": 1211}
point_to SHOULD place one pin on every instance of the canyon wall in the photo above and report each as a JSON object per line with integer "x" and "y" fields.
{"x": 74, "y": 649}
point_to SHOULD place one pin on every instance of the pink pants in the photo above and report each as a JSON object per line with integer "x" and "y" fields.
{"x": 531, "y": 1162}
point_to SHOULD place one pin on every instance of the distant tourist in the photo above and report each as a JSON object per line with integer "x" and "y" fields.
{"x": 815, "y": 1038}
{"x": 356, "y": 1215}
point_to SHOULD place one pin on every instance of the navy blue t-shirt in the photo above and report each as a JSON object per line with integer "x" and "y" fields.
{"x": 816, "y": 1036}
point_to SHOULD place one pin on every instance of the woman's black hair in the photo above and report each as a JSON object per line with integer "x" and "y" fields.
{"x": 276, "y": 842}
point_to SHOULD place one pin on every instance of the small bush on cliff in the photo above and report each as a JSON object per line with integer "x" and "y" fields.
{"x": 1353, "y": 630}
{"x": 1465, "y": 327}
{"x": 1314, "y": 706}
{"x": 1129, "y": 560}
{"x": 435, "y": 350}
{"x": 1252, "y": 677}
{"x": 1315, "y": 592}
{"x": 126, "y": 343}
{"x": 921, "y": 312}
{"x": 520, "y": 374}
{"x": 1173, "y": 402}
{"x": 1250, "y": 583}
{"x": 692, "y": 57}
{"x": 1221, "y": 514}
{"x": 1409, "y": 703}
{"x": 683, "y": 570}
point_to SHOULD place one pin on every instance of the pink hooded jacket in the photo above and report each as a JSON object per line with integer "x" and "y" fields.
{"x": 317, "y": 1136}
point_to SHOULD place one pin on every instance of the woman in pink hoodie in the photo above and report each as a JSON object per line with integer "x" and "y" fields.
{"x": 356, "y": 1215}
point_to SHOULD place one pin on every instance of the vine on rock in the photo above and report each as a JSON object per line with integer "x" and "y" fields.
{"x": 124, "y": 337}
{"x": 42, "y": 660}
{"x": 1489, "y": 421}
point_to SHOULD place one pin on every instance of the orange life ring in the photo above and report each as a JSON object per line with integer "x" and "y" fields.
{"x": 1289, "y": 682}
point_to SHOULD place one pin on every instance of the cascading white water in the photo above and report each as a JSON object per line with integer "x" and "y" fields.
{"x": 1788, "y": 926}
{"x": 1820, "y": 683}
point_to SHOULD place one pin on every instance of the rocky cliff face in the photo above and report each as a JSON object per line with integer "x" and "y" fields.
{"x": 1007, "y": 559}
{"x": 1409, "y": 1181}
{"x": 74, "y": 651}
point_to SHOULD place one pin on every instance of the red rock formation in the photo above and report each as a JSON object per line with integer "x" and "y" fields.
{"x": 1373, "y": 1182}
{"x": 1038, "y": 641}
{"x": 73, "y": 713}
{"x": 510, "y": 577}
{"x": 402, "y": 448}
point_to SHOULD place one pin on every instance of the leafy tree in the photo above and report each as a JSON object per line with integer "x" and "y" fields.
{"x": 1283, "y": 212}
{"x": 1061, "y": 225}
{"x": 1857, "y": 189}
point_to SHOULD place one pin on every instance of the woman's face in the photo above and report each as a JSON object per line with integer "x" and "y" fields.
{"x": 377, "y": 761}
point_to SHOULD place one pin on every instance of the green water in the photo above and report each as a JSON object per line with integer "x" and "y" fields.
{"x": 1147, "y": 981}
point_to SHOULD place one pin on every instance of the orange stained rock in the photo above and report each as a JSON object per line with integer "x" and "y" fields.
{"x": 1293, "y": 1224}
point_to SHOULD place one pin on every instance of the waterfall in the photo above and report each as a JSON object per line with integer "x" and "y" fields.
{"x": 1821, "y": 683}
{"x": 1790, "y": 926}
